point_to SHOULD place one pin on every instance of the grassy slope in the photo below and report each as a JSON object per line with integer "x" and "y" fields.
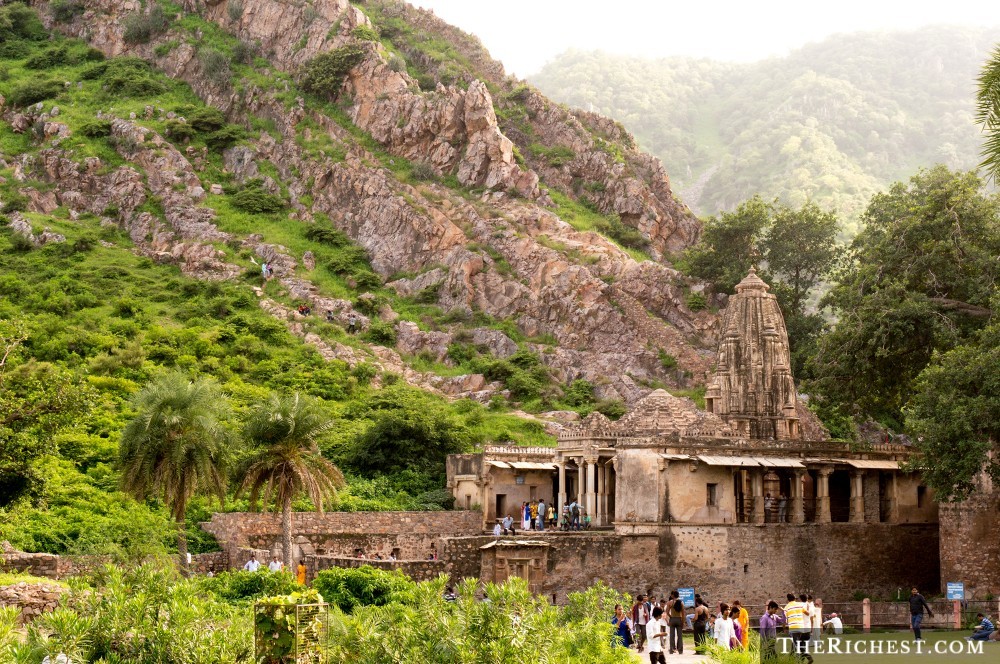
{"x": 112, "y": 320}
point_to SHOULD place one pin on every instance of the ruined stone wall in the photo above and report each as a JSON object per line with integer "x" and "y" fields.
{"x": 970, "y": 544}
{"x": 33, "y": 599}
{"x": 340, "y": 533}
{"x": 755, "y": 563}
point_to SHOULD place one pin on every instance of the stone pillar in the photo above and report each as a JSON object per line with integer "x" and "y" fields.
{"x": 562, "y": 489}
{"x": 857, "y": 496}
{"x": 823, "y": 495}
{"x": 579, "y": 481}
{"x": 757, "y": 489}
{"x": 798, "y": 514}
{"x": 591, "y": 486}
{"x": 661, "y": 479}
{"x": 892, "y": 489}
{"x": 612, "y": 490}
{"x": 602, "y": 494}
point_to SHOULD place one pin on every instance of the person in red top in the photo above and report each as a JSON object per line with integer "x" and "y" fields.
{"x": 640, "y": 616}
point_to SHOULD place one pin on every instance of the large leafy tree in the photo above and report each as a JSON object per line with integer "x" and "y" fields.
{"x": 285, "y": 461}
{"x": 917, "y": 279}
{"x": 176, "y": 446}
{"x": 955, "y": 416}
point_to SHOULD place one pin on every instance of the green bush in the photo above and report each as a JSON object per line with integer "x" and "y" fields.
{"x": 140, "y": 26}
{"x": 204, "y": 118}
{"x": 215, "y": 65}
{"x": 95, "y": 128}
{"x": 54, "y": 56}
{"x": 257, "y": 201}
{"x": 241, "y": 585}
{"x": 129, "y": 77}
{"x": 332, "y": 237}
{"x": 348, "y": 588}
{"x": 422, "y": 171}
{"x": 19, "y": 22}
{"x": 380, "y": 332}
{"x": 64, "y": 11}
{"x": 696, "y": 302}
{"x": 245, "y": 52}
{"x": 180, "y": 131}
{"x": 365, "y": 32}
{"x": 32, "y": 92}
{"x": 667, "y": 361}
{"x": 324, "y": 74}
{"x": 226, "y": 137}
{"x": 579, "y": 393}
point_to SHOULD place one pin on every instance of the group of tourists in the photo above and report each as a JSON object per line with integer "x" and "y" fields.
{"x": 252, "y": 565}
{"x": 657, "y": 626}
{"x": 776, "y": 509}
{"x": 537, "y": 515}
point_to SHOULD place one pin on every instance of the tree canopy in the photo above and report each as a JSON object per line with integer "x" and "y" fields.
{"x": 917, "y": 279}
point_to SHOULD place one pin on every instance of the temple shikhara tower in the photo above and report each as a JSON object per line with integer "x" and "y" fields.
{"x": 752, "y": 388}
{"x": 747, "y": 491}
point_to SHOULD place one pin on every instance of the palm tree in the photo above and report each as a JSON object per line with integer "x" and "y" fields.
{"x": 176, "y": 446}
{"x": 988, "y": 113}
{"x": 284, "y": 433}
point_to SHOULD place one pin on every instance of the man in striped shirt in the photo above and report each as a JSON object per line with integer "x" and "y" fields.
{"x": 984, "y": 629}
{"x": 798, "y": 625}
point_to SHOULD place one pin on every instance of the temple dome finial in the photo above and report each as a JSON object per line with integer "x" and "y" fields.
{"x": 752, "y": 282}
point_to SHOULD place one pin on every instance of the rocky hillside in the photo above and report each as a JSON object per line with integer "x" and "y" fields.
{"x": 466, "y": 189}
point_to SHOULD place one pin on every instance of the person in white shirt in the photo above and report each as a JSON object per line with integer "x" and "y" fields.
{"x": 253, "y": 564}
{"x": 497, "y": 530}
{"x": 724, "y": 627}
{"x": 815, "y": 608}
{"x": 656, "y": 631}
{"x": 275, "y": 565}
{"x": 834, "y": 623}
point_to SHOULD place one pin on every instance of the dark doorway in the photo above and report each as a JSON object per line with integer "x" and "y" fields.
{"x": 501, "y": 505}
{"x": 840, "y": 496}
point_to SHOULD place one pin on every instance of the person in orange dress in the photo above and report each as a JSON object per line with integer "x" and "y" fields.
{"x": 744, "y": 621}
{"x": 300, "y": 573}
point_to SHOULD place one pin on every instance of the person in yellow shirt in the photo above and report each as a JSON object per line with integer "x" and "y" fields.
{"x": 300, "y": 573}
{"x": 744, "y": 621}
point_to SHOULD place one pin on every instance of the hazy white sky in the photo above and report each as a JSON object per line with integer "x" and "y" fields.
{"x": 525, "y": 34}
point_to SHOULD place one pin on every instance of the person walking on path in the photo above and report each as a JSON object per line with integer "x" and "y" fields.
{"x": 798, "y": 625}
{"x": 700, "y": 623}
{"x": 541, "y": 515}
{"x": 623, "y": 626}
{"x": 769, "y": 623}
{"x": 300, "y": 573}
{"x": 676, "y": 623}
{"x": 655, "y": 632}
{"x": 253, "y": 564}
{"x": 743, "y": 620}
{"x": 724, "y": 627}
{"x": 640, "y": 616}
{"x": 917, "y": 606}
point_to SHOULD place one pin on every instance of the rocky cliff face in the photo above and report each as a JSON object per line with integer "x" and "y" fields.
{"x": 495, "y": 245}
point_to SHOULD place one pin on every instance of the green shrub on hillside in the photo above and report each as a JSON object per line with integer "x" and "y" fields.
{"x": 128, "y": 77}
{"x": 64, "y": 11}
{"x": 95, "y": 128}
{"x": 32, "y": 92}
{"x": 257, "y": 201}
{"x": 324, "y": 74}
{"x": 141, "y": 26}
{"x": 19, "y": 22}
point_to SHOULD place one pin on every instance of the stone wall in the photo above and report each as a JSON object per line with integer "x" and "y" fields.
{"x": 970, "y": 544}
{"x": 32, "y": 598}
{"x": 52, "y": 566}
{"x": 411, "y": 535}
{"x": 754, "y": 562}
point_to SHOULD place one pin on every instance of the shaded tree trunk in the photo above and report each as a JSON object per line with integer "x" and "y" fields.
{"x": 182, "y": 542}
{"x": 286, "y": 531}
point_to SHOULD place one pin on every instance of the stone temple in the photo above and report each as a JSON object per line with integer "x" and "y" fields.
{"x": 679, "y": 495}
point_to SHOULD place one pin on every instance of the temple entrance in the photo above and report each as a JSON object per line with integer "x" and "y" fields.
{"x": 840, "y": 496}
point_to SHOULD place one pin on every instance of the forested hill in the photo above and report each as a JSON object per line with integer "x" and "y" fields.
{"x": 832, "y": 122}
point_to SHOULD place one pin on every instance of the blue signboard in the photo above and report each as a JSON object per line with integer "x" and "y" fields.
{"x": 687, "y": 596}
{"x": 956, "y": 591}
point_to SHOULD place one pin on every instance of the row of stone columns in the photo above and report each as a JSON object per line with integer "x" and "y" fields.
{"x": 593, "y": 480}
{"x": 797, "y": 502}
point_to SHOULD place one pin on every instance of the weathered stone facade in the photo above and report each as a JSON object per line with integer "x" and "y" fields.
{"x": 970, "y": 543}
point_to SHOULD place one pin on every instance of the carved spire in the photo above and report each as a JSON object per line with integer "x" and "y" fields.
{"x": 752, "y": 388}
